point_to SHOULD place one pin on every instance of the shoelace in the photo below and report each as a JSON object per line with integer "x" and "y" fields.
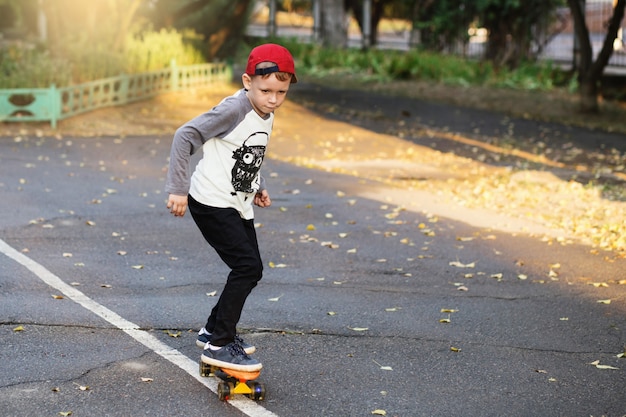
{"x": 237, "y": 339}
{"x": 236, "y": 350}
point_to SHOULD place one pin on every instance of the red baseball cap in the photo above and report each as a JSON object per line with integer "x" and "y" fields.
{"x": 271, "y": 52}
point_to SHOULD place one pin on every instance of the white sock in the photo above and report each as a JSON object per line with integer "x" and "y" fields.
{"x": 214, "y": 347}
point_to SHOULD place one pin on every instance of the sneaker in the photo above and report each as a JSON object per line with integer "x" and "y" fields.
{"x": 230, "y": 356}
{"x": 204, "y": 337}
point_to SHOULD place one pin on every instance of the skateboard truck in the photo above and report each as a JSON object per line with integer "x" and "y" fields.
{"x": 234, "y": 382}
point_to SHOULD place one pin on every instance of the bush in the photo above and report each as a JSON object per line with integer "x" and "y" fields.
{"x": 22, "y": 66}
{"x": 377, "y": 65}
{"x": 79, "y": 60}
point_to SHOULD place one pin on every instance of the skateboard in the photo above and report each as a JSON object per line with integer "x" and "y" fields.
{"x": 234, "y": 382}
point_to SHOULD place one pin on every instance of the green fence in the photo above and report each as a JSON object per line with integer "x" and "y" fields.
{"x": 54, "y": 104}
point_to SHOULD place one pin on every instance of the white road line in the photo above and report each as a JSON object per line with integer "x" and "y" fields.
{"x": 245, "y": 405}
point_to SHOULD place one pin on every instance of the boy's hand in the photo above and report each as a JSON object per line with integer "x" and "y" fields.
{"x": 262, "y": 199}
{"x": 177, "y": 204}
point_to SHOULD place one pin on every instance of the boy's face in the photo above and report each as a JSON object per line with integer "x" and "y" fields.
{"x": 265, "y": 93}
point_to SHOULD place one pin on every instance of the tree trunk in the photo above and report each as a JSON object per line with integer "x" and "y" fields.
{"x": 590, "y": 72}
{"x": 126, "y": 20}
{"x": 375, "y": 17}
{"x": 221, "y": 43}
{"x": 588, "y": 90}
{"x": 334, "y": 30}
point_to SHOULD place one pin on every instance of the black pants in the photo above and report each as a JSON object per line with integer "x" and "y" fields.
{"x": 234, "y": 240}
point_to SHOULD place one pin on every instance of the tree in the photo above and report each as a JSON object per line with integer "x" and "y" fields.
{"x": 512, "y": 26}
{"x": 221, "y": 22}
{"x": 89, "y": 22}
{"x": 334, "y": 30}
{"x": 589, "y": 71}
{"x": 378, "y": 7}
{"x": 442, "y": 23}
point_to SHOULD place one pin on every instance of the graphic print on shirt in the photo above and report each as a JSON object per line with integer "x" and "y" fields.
{"x": 248, "y": 159}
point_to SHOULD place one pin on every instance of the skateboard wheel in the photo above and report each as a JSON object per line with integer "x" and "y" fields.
{"x": 258, "y": 391}
{"x": 205, "y": 369}
{"x": 223, "y": 391}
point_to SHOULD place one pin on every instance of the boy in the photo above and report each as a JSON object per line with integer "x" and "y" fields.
{"x": 223, "y": 188}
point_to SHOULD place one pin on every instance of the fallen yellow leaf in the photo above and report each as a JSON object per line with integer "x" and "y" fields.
{"x": 19, "y": 329}
{"x": 379, "y": 412}
{"x": 596, "y": 363}
{"x": 461, "y": 265}
{"x": 605, "y": 367}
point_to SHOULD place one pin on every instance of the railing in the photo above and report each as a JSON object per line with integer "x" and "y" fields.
{"x": 53, "y": 104}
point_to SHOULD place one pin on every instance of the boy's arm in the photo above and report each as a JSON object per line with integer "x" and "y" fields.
{"x": 190, "y": 137}
{"x": 187, "y": 140}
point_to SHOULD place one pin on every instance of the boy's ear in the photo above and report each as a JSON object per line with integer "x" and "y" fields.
{"x": 246, "y": 80}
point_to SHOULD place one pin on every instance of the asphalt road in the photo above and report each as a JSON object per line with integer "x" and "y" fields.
{"x": 373, "y": 308}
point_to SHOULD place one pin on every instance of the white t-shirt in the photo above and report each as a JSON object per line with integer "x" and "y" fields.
{"x": 233, "y": 138}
